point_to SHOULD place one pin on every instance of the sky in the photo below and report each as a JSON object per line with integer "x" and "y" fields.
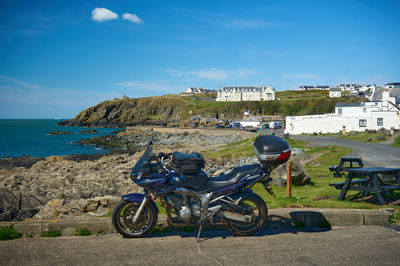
{"x": 60, "y": 57}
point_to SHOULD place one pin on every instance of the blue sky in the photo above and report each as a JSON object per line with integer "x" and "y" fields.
{"x": 60, "y": 57}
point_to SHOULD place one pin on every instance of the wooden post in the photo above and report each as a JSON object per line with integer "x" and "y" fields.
{"x": 289, "y": 179}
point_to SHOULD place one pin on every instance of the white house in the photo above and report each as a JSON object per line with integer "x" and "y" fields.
{"x": 237, "y": 94}
{"x": 348, "y": 87}
{"x": 335, "y": 92}
{"x": 349, "y": 116}
{"x": 392, "y": 85}
{"x": 306, "y": 88}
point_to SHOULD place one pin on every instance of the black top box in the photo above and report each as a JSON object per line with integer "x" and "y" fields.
{"x": 271, "y": 151}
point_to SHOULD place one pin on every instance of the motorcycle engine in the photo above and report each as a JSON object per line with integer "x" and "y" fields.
{"x": 185, "y": 214}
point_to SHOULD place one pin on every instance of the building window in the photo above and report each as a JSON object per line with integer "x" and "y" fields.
{"x": 339, "y": 111}
{"x": 363, "y": 123}
{"x": 379, "y": 121}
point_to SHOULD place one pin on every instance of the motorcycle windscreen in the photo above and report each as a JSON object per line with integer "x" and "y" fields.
{"x": 142, "y": 160}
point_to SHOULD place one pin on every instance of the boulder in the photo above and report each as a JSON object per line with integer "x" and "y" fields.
{"x": 299, "y": 174}
{"x": 98, "y": 206}
{"x": 380, "y": 137}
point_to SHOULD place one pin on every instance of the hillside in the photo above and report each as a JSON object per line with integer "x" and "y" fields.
{"x": 175, "y": 108}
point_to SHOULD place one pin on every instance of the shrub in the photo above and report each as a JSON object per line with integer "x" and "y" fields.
{"x": 50, "y": 233}
{"x": 82, "y": 232}
{"x": 8, "y": 233}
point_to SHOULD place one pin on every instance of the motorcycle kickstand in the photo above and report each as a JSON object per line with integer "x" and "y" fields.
{"x": 198, "y": 234}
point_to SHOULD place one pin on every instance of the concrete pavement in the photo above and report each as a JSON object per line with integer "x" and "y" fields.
{"x": 361, "y": 245}
{"x": 373, "y": 154}
{"x": 277, "y": 218}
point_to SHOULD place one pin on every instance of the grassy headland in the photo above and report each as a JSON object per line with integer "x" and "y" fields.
{"x": 175, "y": 108}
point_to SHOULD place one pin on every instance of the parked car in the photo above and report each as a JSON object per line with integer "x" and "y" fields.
{"x": 277, "y": 125}
{"x": 265, "y": 126}
{"x": 219, "y": 126}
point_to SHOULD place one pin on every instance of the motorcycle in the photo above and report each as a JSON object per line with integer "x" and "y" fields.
{"x": 190, "y": 197}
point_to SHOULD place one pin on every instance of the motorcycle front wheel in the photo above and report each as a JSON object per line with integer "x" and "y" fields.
{"x": 122, "y": 219}
{"x": 253, "y": 205}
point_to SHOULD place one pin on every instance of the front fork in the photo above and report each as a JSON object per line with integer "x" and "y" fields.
{"x": 140, "y": 210}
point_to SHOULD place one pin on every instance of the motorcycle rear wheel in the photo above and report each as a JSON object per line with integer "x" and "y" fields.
{"x": 123, "y": 214}
{"x": 250, "y": 204}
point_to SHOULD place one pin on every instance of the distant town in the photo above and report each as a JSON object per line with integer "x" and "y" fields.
{"x": 380, "y": 110}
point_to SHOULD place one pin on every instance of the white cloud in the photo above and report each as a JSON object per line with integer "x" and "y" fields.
{"x": 133, "y": 18}
{"x": 302, "y": 76}
{"x": 213, "y": 73}
{"x": 103, "y": 14}
{"x": 14, "y": 81}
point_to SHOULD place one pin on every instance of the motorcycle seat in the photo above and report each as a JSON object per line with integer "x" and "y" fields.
{"x": 185, "y": 156}
{"x": 233, "y": 177}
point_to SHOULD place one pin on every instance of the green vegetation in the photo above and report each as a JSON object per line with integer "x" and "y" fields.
{"x": 50, "y": 233}
{"x": 28, "y": 235}
{"x": 394, "y": 218}
{"x": 8, "y": 233}
{"x": 100, "y": 233}
{"x": 318, "y": 193}
{"x": 242, "y": 148}
{"x": 175, "y": 108}
{"x": 396, "y": 142}
{"x": 82, "y": 232}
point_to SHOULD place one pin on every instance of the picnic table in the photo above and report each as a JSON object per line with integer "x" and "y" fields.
{"x": 351, "y": 160}
{"x": 367, "y": 180}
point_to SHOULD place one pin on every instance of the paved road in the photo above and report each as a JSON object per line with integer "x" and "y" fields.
{"x": 362, "y": 245}
{"x": 373, "y": 154}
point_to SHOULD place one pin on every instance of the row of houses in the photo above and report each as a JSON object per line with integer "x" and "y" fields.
{"x": 237, "y": 94}
{"x": 348, "y": 117}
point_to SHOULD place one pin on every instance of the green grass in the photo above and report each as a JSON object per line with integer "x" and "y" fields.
{"x": 82, "y": 232}
{"x": 8, "y": 233}
{"x": 51, "y": 233}
{"x": 242, "y": 148}
{"x": 396, "y": 142}
{"x": 318, "y": 194}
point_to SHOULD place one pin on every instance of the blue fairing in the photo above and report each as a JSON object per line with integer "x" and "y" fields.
{"x": 136, "y": 197}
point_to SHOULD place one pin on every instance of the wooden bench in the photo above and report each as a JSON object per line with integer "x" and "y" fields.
{"x": 337, "y": 169}
{"x": 370, "y": 182}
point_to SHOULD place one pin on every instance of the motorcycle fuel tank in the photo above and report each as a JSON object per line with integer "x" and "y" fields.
{"x": 271, "y": 151}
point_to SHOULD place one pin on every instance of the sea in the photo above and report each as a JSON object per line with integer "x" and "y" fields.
{"x": 20, "y": 137}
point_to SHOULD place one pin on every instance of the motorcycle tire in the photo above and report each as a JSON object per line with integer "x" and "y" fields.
{"x": 122, "y": 216}
{"x": 258, "y": 210}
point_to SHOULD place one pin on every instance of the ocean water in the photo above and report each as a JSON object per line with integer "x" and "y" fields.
{"x": 30, "y": 137}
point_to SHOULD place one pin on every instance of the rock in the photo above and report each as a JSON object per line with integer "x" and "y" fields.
{"x": 24, "y": 191}
{"x": 368, "y": 139}
{"x": 89, "y": 131}
{"x": 380, "y": 137}
{"x": 23, "y": 161}
{"x": 353, "y": 133}
{"x": 60, "y": 133}
{"x": 299, "y": 174}
{"x": 219, "y": 172}
{"x": 387, "y": 133}
{"x": 82, "y": 207}
{"x": 371, "y": 130}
